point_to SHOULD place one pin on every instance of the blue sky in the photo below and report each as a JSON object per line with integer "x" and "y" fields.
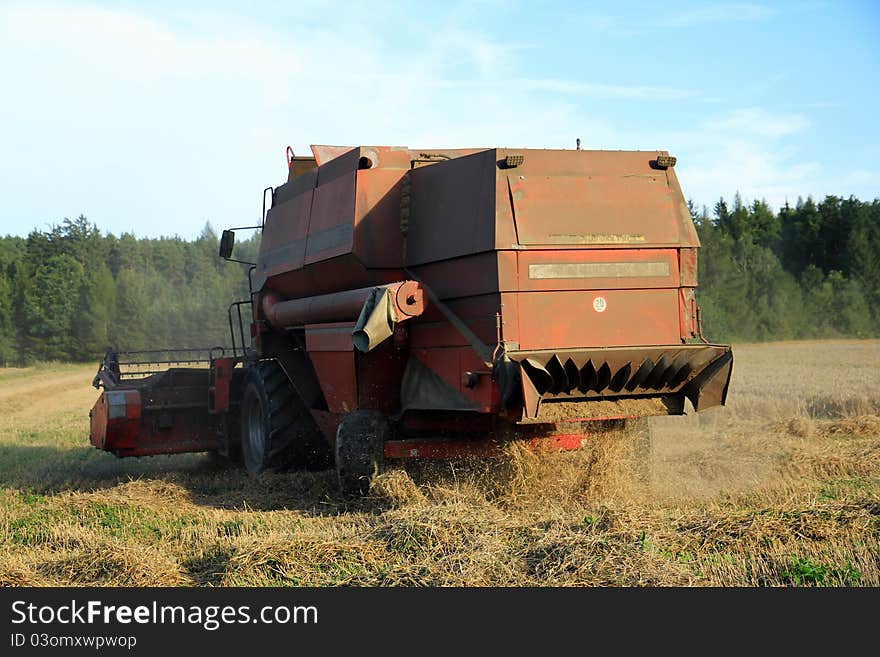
{"x": 155, "y": 117}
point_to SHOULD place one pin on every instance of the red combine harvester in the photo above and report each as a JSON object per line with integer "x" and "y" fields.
{"x": 435, "y": 304}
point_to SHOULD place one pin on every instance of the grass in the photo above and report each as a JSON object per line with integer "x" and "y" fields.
{"x": 780, "y": 488}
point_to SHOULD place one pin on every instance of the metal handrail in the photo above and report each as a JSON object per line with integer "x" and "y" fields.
{"x": 235, "y": 345}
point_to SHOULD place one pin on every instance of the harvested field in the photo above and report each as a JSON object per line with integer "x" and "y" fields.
{"x": 780, "y": 488}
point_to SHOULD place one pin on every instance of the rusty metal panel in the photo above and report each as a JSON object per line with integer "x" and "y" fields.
{"x": 688, "y": 266}
{"x": 606, "y": 270}
{"x": 283, "y": 243}
{"x": 505, "y": 223}
{"x": 337, "y": 227}
{"x": 699, "y": 372}
{"x": 441, "y": 333}
{"x": 379, "y": 376}
{"x": 594, "y": 269}
{"x": 477, "y": 312}
{"x": 510, "y": 312}
{"x": 688, "y": 313}
{"x": 567, "y": 319}
{"x": 378, "y": 239}
{"x": 632, "y": 210}
{"x": 324, "y": 154}
{"x": 300, "y": 165}
{"x": 283, "y": 240}
{"x": 468, "y": 385}
{"x": 452, "y": 209}
{"x": 689, "y": 237}
{"x": 115, "y": 420}
{"x": 329, "y": 337}
{"x": 329, "y": 276}
{"x": 221, "y": 384}
{"x": 596, "y": 199}
{"x": 331, "y": 226}
{"x": 468, "y": 276}
{"x": 336, "y": 375}
{"x": 421, "y": 448}
{"x": 165, "y": 413}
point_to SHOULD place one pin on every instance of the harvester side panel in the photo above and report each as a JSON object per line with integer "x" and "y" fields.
{"x": 331, "y": 224}
{"x": 595, "y": 318}
{"x": 453, "y": 209}
{"x": 283, "y": 247}
{"x": 336, "y": 228}
{"x": 597, "y": 199}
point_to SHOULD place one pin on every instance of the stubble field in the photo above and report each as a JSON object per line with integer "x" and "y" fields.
{"x": 782, "y": 487}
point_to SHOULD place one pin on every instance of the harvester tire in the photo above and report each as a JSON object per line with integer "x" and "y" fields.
{"x": 277, "y": 431}
{"x": 360, "y": 440}
{"x": 640, "y": 433}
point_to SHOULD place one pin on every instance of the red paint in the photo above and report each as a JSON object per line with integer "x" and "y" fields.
{"x": 451, "y": 449}
{"x": 141, "y": 431}
{"x": 567, "y": 320}
{"x": 336, "y": 374}
{"x": 221, "y": 370}
{"x": 379, "y": 374}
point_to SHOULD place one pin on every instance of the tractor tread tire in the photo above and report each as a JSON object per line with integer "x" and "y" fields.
{"x": 360, "y": 440}
{"x": 291, "y": 438}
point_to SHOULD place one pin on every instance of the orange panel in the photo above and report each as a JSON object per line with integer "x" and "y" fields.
{"x": 331, "y": 229}
{"x": 329, "y": 337}
{"x": 604, "y": 318}
{"x": 601, "y": 210}
{"x": 450, "y": 364}
{"x": 284, "y": 235}
{"x": 688, "y": 267}
{"x": 378, "y": 240}
{"x": 336, "y": 375}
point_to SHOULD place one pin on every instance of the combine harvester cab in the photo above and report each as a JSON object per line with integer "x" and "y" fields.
{"x": 418, "y": 304}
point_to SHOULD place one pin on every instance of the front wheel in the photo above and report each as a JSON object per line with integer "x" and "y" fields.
{"x": 360, "y": 441}
{"x": 277, "y": 431}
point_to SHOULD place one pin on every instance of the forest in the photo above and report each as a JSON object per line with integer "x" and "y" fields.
{"x": 70, "y": 292}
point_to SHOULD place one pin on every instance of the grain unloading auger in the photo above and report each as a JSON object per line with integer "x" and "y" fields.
{"x": 419, "y": 304}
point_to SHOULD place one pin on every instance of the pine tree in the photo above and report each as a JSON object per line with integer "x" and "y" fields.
{"x": 50, "y": 306}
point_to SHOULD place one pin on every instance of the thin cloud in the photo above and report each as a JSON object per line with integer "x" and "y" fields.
{"x": 569, "y": 88}
{"x": 749, "y": 150}
{"x": 864, "y": 177}
{"x": 758, "y": 122}
{"x": 722, "y": 13}
{"x": 595, "y": 90}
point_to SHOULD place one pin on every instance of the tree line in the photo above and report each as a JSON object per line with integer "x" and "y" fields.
{"x": 70, "y": 292}
{"x": 808, "y": 271}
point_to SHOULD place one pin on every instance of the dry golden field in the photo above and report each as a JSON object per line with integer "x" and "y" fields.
{"x": 782, "y": 487}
